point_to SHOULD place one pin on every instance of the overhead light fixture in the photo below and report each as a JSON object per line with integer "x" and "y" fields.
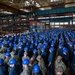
{"x": 11, "y": 1}
{"x": 24, "y": 10}
{"x": 5, "y": 12}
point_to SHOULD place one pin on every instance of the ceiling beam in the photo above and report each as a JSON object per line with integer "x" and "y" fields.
{"x": 57, "y": 4}
{"x": 10, "y": 8}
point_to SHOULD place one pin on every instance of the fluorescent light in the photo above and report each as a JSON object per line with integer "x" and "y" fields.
{"x": 54, "y": 0}
{"x": 24, "y": 10}
{"x": 37, "y": 4}
{"x": 6, "y": 12}
{"x": 27, "y": 3}
{"x": 42, "y": 9}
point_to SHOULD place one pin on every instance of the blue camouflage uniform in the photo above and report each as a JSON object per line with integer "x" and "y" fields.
{"x": 50, "y": 60}
{"x": 14, "y": 71}
{"x": 3, "y": 69}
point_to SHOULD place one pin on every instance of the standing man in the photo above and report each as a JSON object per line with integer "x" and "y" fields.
{"x": 36, "y": 70}
{"x": 3, "y": 69}
{"x": 26, "y": 67}
{"x": 51, "y": 60}
{"x": 14, "y": 68}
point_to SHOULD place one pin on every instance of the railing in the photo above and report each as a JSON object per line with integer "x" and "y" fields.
{"x": 55, "y": 11}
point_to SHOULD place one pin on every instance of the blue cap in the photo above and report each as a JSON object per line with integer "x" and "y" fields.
{"x": 61, "y": 45}
{"x": 27, "y": 44}
{"x": 34, "y": 51}
{"x": 7, "y": 49}
{"x": 65, "y": 50}
{"x": 42, "y": 49}
{"x": 12, "y": 61}
{"x": 10, "y": 44}
{"x": 7, "y": 54}
{"x": 36, "y": 69}
{"x": 60, "y": 40}
{"x": 32, "y": 41}
{"x": 43, "y": 45}
{"x": 15, "y": 48}
{"x": 31, "y": 46}
{"x": 39, "y": 41}
{"x": 8, "y": 41}
{"x": 24, "y": 41}
{"x": 26, "y": 61}
{"x": 21, "y": 43}
{"x": 26, "y": 49}
{"x": 74, "y": 52}
{"x": 36, "y": 43}
{"x": 52, "y": 44}
{"x": 38, "y": 47}
{"x": 2, "y": 45}
{"x": 19, "y": 40}
{"x": 19, "y": 47}
{"x": 70, "y": 42}
{"x": 1, "y": 61}
{"x": 52, "y": 49}
{"x": 14, "y": 45}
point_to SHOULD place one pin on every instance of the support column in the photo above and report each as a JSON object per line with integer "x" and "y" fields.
{"x": 49, "y": 24}
{"x": 72, "y": 20}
